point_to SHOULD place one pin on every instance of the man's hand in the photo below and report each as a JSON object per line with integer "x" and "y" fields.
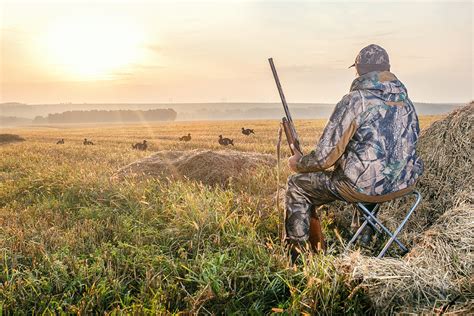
{"x": 293, "y": 160}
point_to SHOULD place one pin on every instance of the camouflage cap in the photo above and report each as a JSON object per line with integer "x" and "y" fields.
{"x": 372, "y": 55}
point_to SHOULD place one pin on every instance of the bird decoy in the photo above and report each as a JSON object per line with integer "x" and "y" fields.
{"x": 224, "y": 141}
{"x": 140, "y": 146}
{"x": 247, "y": 131}
{"x": 87, "y": 142}
{"x": 185, "y": 138}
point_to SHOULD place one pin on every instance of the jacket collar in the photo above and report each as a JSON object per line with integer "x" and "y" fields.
{"x": 382, "y": 84}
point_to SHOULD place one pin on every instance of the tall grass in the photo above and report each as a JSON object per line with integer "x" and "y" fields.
{"x": 73, "y": 240}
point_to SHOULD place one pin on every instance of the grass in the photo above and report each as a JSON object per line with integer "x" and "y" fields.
{"x": 72, "y": 240}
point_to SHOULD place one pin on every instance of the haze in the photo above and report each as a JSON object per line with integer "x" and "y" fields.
{"x": 173, "y": 51}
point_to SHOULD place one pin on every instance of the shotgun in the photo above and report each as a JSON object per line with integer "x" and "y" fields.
{"x": 316, "y": 237}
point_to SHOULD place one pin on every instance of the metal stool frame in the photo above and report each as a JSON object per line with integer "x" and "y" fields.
{"x": 372, "y": 220}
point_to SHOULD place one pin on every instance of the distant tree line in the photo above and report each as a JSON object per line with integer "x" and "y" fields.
{"x": 13, "y": 121}
{"x": 102, "y": 116}
{"x": 298, "y": 112}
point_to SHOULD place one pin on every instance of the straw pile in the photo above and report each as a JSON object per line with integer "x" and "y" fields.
{"x": 446, "y": 149}
{"x": 439, "y": 267}
{"x": 437, "y": 270}
{"x": 10, "y": 138}
{"x": 206, "y": 166}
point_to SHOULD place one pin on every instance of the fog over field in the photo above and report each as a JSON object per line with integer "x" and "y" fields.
{"x": 14, "y": 114}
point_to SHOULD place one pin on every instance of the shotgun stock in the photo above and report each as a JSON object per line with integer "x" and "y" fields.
{"x": 316, "y": 236}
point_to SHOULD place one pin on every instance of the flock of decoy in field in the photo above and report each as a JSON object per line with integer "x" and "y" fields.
{"x": 223, "y": 141}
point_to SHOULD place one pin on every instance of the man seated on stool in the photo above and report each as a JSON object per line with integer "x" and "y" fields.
{"x": 370, "y": 140}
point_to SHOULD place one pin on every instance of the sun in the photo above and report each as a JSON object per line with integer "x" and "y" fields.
{"x": 93, "y": 47}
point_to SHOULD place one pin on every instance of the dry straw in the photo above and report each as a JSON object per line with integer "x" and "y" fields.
{"x": 439, "y": 267}
{"x": 10, "y": 138}
{"x": 206, "y": 166}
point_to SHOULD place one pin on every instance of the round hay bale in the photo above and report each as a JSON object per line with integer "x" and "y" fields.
{"x": 446, "y": 149}
{"x": 206, "y": 166}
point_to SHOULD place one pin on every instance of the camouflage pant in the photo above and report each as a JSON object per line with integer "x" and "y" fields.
{"x": 303, "y": 193}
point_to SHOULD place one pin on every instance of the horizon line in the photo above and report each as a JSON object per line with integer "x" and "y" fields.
{"x": 214, "y": 102}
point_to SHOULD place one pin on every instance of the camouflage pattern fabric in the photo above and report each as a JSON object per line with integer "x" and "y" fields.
{"x": 371, "y": 58}
{"x": 371, "y": 137}
{"x": 370, "y": 140}
{"x": 372, "y": 55}
{"x": 305, "y": 191}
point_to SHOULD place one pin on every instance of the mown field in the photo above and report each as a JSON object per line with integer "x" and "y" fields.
{"x": 73, "y": 240}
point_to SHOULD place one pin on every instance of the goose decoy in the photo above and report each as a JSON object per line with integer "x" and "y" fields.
{"x": 247, "y": 131}
{"x": 185, "y": 138}
{"x": 140, "y": 146}
{"x": 87, "y": 142}
{"x": 224, "y": 141}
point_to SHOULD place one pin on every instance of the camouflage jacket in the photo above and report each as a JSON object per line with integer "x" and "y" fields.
{"x": 370, "y": 138}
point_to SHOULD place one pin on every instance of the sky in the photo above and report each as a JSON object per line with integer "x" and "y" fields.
{"x": 216, "y": 51}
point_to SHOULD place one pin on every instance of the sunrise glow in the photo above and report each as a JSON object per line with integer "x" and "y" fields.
{"x": 85, "y": 47}
{"x": 210, "y": 51}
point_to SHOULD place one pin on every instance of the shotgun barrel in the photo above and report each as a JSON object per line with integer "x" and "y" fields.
{"x": 288, "y": 125}
{"x": 316, "y": 236}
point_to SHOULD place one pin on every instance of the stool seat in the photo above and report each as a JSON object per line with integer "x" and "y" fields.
{"x": 370, "y": 218}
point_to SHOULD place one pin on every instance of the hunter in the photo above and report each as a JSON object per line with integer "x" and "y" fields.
{"x": 369, "y": 142}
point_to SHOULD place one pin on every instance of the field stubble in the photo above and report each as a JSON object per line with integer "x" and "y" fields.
{"x": 74, "y": 240}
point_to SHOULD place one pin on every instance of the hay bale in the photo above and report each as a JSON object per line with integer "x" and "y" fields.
{"x": 438, "y": 268}
{"x": 440, "y": 265}
{"x": 206, "y": 166}
{"x": 10, "y": 138}
{"x": 446, "y": 149}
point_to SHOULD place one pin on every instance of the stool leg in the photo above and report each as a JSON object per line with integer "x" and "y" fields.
{"x": 356, "y": 235}
{"x": 394, "y": 236}
{"x": 385, "y": 229}
{"x": 374, "y": 212}
{"x": 362, "y": 226}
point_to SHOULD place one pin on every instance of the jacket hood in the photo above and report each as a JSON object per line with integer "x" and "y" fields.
{"x": 382, "y": 84}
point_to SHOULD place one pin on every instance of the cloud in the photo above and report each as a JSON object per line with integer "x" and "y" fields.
{"x": 155, "y": 48}
{"x": 121, "y": 75}
{"x": 384, "y": 34}
{"x": 299, "y": 68}
{"x": 148, "y": 67}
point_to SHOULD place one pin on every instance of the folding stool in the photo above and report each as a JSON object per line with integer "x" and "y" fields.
{"x": 370, "y": 218}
